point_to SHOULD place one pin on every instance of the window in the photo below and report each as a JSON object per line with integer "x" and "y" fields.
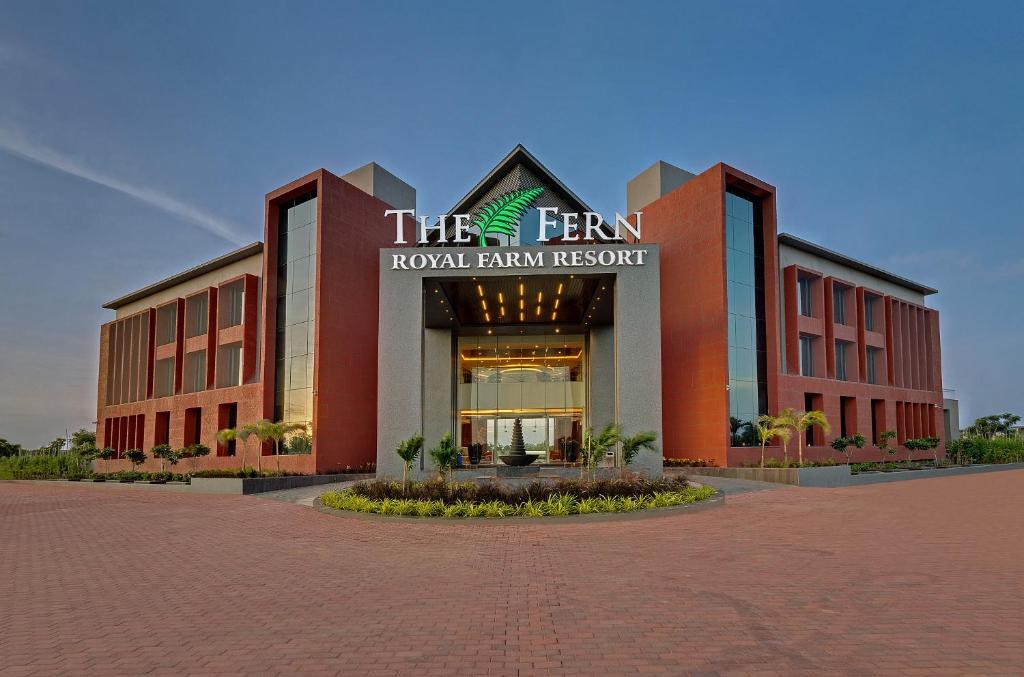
{"x": 872, "y": 362}
{"x": 195, "y": 371}
{"x": 166, "y": 324}
{"x": 227, "y": 417}
{"x": 877, "y": 419}
{"x": 847, "y": 416}
{"x": 869, "y": 313}
{"x": 229, "y": 300}
{"x": 163, "y": 382}
{"x": 746, "y": 341}
{"x": 807, "y": 356}
{"x": 195, "y": 315}
{"x": 162, "y": 432}
{"x": 229, "y": 365}
{"x": 804, "y": 292}
{"x": 841, "y": 347}
{"x": 193, "y": 426}
{"x": 296, "y": 310}
{"x": 839, "y": 304}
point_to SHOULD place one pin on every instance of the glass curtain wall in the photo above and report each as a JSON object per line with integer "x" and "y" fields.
{"x": 296, "y": 306}
{"x": 747, "y": 359}
{"x": 539, "y": 379}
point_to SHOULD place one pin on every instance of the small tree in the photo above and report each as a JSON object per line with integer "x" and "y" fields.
{"x": 596, "y": 446}
{"x": 163, "y": 452}
{"x": 769, "y": 428}
{"x": 805, "y": 420}
{"x": 226, "y": 436}
{"x": 106, "y": 453}
{"x": 276, "y": 432}
{"x": 883, "y": 442}
{"x": 843, "y": 444}
{"x": 445, "y": 455}
{"x": 408, "y": 451}
{"x": 632, "y": 445}
{"x": 195, "y": 452}
{"x": 261, "y": 431}
{"x": 136, "y": 456}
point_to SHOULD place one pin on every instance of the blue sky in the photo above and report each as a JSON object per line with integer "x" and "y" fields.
{"x": 137, "y": 139}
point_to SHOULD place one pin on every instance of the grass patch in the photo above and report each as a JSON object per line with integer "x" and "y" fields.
{"x": 553, "y": 505}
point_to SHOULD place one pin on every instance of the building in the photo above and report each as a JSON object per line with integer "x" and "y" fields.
{"x": 691, "y": 316}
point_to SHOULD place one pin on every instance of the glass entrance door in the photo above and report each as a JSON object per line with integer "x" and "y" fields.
{"x": 538, "y": 379}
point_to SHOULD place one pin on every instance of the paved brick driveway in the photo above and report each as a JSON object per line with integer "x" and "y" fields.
{"x": 920, "y": 578}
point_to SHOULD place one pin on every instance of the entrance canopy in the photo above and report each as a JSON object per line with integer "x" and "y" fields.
{"x": 566, "y": 302}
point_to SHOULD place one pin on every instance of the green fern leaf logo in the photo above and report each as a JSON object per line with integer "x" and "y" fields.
{"x": 502, "y": 215}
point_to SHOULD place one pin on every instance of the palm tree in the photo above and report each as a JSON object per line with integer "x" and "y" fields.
{"x": 805, "y": 420}
{"x": 276, "y": 432}
{"x": 445, "y": 454}
{"x": 228, "y": 435}
{"x": 769, "y": 428}
{"x": 594, "y": 447}
{"x": 260, "y": 431}
{"x": 787, "y": 419}
{"x": 408, "y": 450}
{"x": 632, "y": 445}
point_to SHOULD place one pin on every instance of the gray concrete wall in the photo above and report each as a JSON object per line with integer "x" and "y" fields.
{"x": 415, "y": 384}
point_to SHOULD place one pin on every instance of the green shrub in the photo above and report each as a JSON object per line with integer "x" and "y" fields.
{"x": 44, "y": 467}
{"x": 554, "y": 505}
{"x": 687, "y": 463}
{"x": 437, "y": 490}
{"x": 980, "y": 450}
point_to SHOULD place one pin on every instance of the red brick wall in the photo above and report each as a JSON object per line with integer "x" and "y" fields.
{"x": 688, "y": 225}
{"x": 351, "y": 229}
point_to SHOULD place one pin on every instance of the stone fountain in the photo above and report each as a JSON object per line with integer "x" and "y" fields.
{"x": 518, "y": 458}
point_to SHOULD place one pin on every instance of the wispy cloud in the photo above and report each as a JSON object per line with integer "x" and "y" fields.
{"x": 20, "y": 146}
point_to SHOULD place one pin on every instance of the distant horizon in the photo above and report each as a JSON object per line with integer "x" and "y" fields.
{"x": 132, "y": 149}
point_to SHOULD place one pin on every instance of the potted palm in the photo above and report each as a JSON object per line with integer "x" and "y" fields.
{"x": 408, "y": 451}
{"x": 444, "y": 456}
{"x": 632, "y": 445}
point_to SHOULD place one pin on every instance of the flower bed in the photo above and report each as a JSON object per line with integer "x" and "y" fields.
{"x": 537, "y": 499}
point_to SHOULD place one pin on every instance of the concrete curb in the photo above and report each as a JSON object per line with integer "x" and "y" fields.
{"x": 716, "y": 501}
{"x": 223, "y": 485}
{"x": 840, "y": 476}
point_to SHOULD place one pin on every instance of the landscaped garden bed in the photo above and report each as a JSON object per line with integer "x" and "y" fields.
{"x": 436, "y": 498}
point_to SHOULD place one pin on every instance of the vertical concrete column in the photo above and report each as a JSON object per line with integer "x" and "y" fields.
{"x": 638, "y": 359}
{"x": 438, "y": 412}
{"x": 602, "y": 382}
{"x": 400, "y": 366}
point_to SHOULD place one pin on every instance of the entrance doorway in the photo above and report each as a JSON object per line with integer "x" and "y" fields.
{"x": 539, "y": 379}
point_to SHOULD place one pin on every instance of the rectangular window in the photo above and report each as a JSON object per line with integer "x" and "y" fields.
{"x": 195, "y": 371}
{"x": 804, "y": 292}
{"x": 296, "y": 309}
{"x": 227, "y": 417}
{"x": 163, "y": 382}
{"x": 166, "y": 324}
{"x": 839, "y": 304}
{"x": 193, "y": 426}
{"x": 869, "y": 312}
{"x": 229, "y": 302}
{"x": 841, "y": 347}
{"x": 877, "y": 419}
{"x": 847, "y": 416}
{"x": 872, "y": 363}
{"x": 162, "y": 431}
{"x": 745, "y": 274}
{"x": 807, "y": 356}
{"x": 229, "y": 365}
{"x": 196, "y": 309}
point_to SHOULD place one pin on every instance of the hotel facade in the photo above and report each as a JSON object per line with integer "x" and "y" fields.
{"x": 689, "y": 316}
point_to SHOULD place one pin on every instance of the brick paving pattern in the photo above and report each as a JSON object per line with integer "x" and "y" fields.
{"x": 916, "y": 578}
